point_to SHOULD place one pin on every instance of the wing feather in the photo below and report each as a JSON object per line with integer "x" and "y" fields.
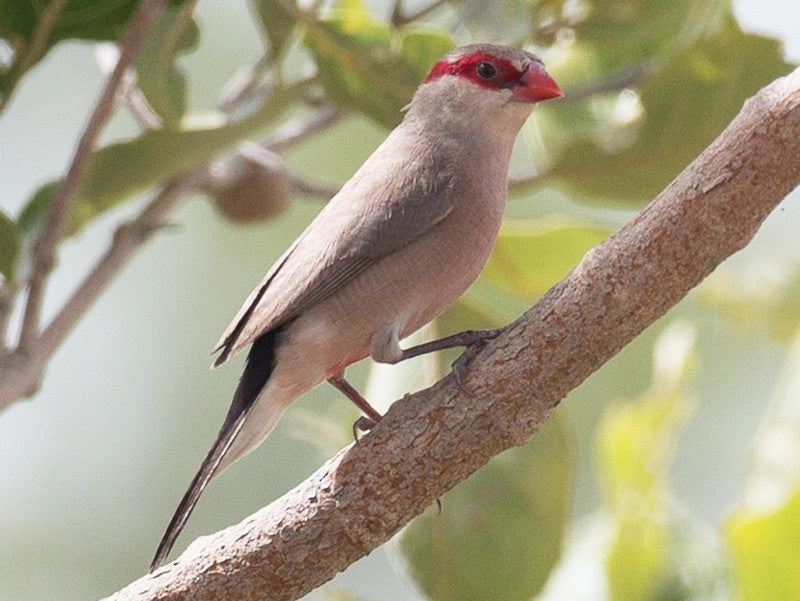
{"x": 400, "y": 193}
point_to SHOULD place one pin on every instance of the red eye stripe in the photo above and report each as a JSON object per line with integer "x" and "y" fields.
{"x": 465, "y": 66}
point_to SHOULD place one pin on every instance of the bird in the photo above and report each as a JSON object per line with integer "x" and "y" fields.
{"x": 394, "y": 248}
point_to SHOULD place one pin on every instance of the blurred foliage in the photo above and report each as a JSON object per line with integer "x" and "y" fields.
{"x": 763, "y": 534}
{"x": 9, "y": 245}
{"x": 482, "y": 545}
{"x": 366, "y": 65}
{"x": 636, "y": 445}
{"x": 31, "y": 29}
{"x": 152, "y": 158}
{"x": 276, "y": 21}
{"x": 617, "y": 146}
{"x": 766, "y": 551}
{"x": 648, "y": 85}
{"x": 623, "y": 148}
{"x": 530, "y": 257}
{"x": 157, "y": 74}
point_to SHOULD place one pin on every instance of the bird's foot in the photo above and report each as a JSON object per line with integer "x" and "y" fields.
{"x": 479, "y": 340}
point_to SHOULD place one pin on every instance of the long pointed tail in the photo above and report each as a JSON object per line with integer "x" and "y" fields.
{"x": 210, "y": 464}
{"x": 260, "y": 362}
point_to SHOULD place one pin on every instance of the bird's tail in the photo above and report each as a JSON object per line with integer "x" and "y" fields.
{"x": 210, "y": 464}
{"x": 260, "y": 362}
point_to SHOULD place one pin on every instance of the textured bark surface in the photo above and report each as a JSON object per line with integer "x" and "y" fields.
{"x": 429, "y": 441}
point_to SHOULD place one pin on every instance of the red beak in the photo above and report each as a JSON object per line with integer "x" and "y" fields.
{"x": 536, "y": 85}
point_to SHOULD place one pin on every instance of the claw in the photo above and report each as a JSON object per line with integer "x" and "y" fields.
{"x": 473, "y": 348}
{"x": 363, "y": 423}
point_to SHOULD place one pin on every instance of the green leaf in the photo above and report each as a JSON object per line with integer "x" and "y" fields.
{"x": 619, "y": 29}
{"x": 163, "y": 84}
{"x": 530, "y": 256}
{"x": 32, "y": 215}
{"x": 636, "y": 445}
{"x": 276, "y": 21}
{"x": 766, "y": 552}
{"x": 635, "y": 151}
{"x": 9, "y": 245}
{"x": 81, "y": 19}
{"x": 365, "y": 65}
{"x": 33, "y": 28}
{"x": 763, "y": 534}
{"x": 500, "y": 532}
{"x": 421, "y": 48}
{"x": 119, "y": 171}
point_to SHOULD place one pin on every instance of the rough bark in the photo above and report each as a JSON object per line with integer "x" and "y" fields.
{"x": 430, "y": 441}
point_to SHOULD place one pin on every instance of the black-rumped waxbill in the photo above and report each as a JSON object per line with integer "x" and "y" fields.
{"x": 399, "y": 243}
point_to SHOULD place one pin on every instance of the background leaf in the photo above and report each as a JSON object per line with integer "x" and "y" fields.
{"x": 363, "y": 65}
{"x": 636, "y": 445}
{"x": 162, "y": 82}
{"x": 693, "y": 96}
{"x": 766, "y": 551}
{"x": 154, "y": 157}
{"x": 276, "y": 21}
{"x": 763, "y": 534}
{"x": 530, "y": 256}
{"x": 9, "y": 245}
{"x": 766, "y": 299}
{"x": 33, "y": 28}
{"x": 500, "y": 531}
{"x": 81, "y": 19}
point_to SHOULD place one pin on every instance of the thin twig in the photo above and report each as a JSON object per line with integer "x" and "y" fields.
{"x": 136, "y": 101}
{"x": 31, "y": 54}
{"x": 625, "y": 77}
{"x": 399, "y": 18}
{"x": 20, "y": 373}
{"x": 44, "y": 249}
{"x": 302, "y": 128}
{"x": 127, "y": 239}
{"x": 242, "y": 83}
{"x": 314, "y": 188}
{"x": 397, "y": 12}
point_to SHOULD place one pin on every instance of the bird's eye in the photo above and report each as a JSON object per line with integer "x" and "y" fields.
{"x": 486, "y": 70}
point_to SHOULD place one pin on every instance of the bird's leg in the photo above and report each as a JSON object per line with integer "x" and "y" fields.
{"x": 365, "y": 422}
{"x": 472, "y": 339}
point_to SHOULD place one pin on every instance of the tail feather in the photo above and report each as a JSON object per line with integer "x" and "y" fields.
{"x": 260, "y": 362}
{"x": 210, "y": 464}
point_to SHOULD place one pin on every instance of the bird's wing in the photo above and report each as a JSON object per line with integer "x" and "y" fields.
{"x": 395, "y": 198}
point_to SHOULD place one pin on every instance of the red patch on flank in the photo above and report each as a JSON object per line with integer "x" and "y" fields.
{"x": 466, "y": 66}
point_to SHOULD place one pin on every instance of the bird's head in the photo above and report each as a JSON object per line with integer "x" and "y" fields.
{"x": 484, "y": 84}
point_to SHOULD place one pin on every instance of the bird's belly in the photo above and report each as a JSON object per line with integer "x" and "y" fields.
{"x": 401, "y": 292}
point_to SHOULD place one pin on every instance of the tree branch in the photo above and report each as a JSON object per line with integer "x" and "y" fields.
{"x": 44, "y": 249}
{"x": 431, "y": 440}
{"x": 400, "y": 18}
{"x": 627, "y": 76}
{"x": 19, "y": 374}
